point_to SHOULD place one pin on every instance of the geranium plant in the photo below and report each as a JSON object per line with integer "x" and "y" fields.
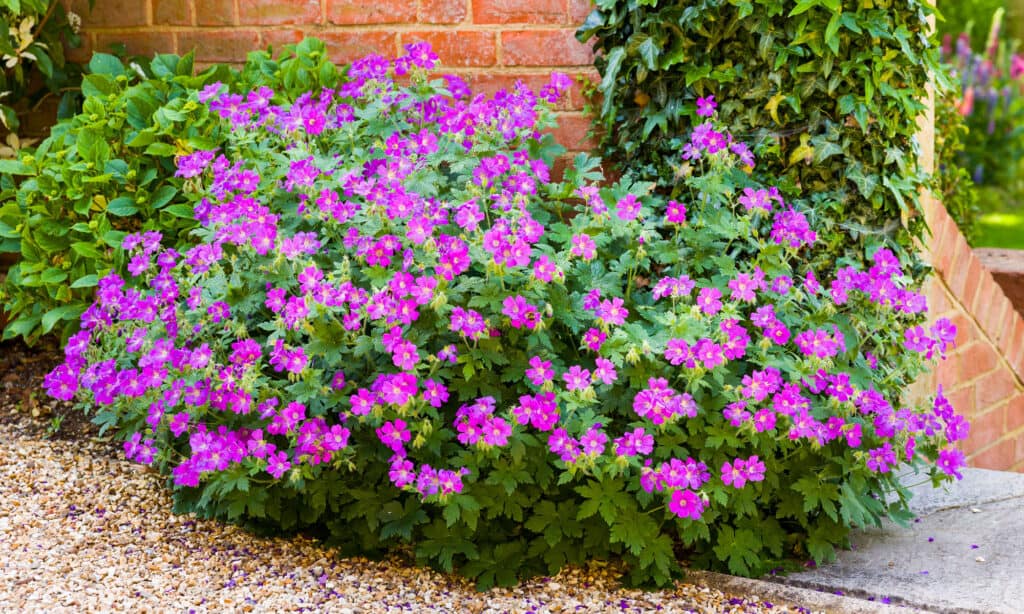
{"x": 396, "y": 325}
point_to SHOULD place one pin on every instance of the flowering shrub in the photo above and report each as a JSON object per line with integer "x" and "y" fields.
{"x": 395, "y": 325}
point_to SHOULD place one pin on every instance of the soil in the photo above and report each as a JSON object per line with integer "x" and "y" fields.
{"x": 25, "y": 406}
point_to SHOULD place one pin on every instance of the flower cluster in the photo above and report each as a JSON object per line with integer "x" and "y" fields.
{"x": 388, "y": 282}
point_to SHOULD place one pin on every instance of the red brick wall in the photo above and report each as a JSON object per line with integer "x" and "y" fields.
{"x": 984, "y": 376}
{"x": 490, "y": 43}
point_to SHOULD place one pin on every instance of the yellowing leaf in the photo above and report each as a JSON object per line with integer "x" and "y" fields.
{"x": 804, "y": 152}
{"x": 773, "y": 107}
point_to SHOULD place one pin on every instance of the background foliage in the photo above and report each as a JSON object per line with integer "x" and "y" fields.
{"x": 33, "y": 35}
{"x": 109, "y": 170}
{"x": 952, "y": 183}
{"x": 989, "y": 144}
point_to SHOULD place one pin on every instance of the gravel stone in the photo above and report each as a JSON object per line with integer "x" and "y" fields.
{"x": 82, "y": 530}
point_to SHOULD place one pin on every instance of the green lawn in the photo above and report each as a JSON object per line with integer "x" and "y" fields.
{"x": 1001, "y": 229}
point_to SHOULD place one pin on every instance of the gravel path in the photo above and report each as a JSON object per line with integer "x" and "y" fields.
{"x": 83, "y": 531}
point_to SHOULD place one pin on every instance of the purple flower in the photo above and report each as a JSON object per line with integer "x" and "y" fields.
{"x": 950, "y": 461}
{"x": 576, "y": 378}
{"x": 706, "y": 106}
{"x": 628, "y": 208}
{"x": 686, "y": 504}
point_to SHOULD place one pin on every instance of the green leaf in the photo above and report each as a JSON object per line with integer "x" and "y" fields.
{"x": 53, "y": 276}
{"x": 122, "y": 206}
{"x": 14, "y": 167}
{"x": 86, "y": 249}
{"x": 86, "y": 281}
{"x": 98, "y": 85}
{"x": 106, "y": 64}
{"x": 182, "y": 211}
{"x": 832, "y": 32}
{"x": 162, "y": 196}
{"x": 161, "y": 149}
{"x": 66, "y": 312}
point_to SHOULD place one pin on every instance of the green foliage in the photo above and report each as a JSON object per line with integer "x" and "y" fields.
{"x": 33, "y": 34}
{"x": 951, "y": 183}
{"x": 971, "y": 16}
{"x": 109, "y": 170}
{"x": 830, "y": 87}
{"x": 991, "y": 146}
{"x": 396, "y": 235}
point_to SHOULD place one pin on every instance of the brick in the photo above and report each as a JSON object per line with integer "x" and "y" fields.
{"x": 579, "y": 10}
{"x": 172, "y": 13}
{"x": 464, "y": 48}
{"x": 935, "y": 293}
{"x": 1015, "y": 413}
{"x": 992, "y": 313}
{"x": 956, "y": 277}
{"x": 1016, "y": 349}
{"x": 1007, "y": 267}
{"x": 944, "y": 248}
{"x": 544, "y": 48}
{"x": 520, "y": 11}
{"x": 279, "y": 37}
{"x": 215, "y": 13}
{"x": 278, "y": 12}
{"x": 361, "y": 12}
{"x": 974, "y": 272}
{"x": 946, "y": 374}
{"x": 965, "y": 329}
{"x": 1019, "y": 452}
{"x": 343, "y": 46}
{"x": 974, "y": 360}
{"x": 443, "y": 11}
{"x": 219, "y": 46}
{"x": 137, "y": 43}
{"x": 932, "y": 215}
{"x": 1004, "y": 331}
{"x": 980, "y": 304}
{"x": 999, "y": 456}
{"x": 111, "y": 13}
{"x": 987, "y": 428}
{"x": 962, "y": 400}
{"x": 571, "y": 132}
{"x": 1017, "y": 361}
{"x": 996, "y": 388}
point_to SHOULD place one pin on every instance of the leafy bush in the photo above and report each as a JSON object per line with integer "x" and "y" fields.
{"x": 110, "y": 170}
{"x": 32, "y": 38}
{"x": 393, "y": 326}
{"x": 830, "y": 88}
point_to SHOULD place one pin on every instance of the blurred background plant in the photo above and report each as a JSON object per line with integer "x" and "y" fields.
{"x": 34, "y": 35}
{"x": 980, "y": 156}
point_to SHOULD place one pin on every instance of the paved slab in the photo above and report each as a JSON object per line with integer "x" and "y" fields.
{"x": 964, "y": 553}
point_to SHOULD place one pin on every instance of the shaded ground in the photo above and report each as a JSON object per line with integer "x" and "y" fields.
{"x": 23, "y": 403}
